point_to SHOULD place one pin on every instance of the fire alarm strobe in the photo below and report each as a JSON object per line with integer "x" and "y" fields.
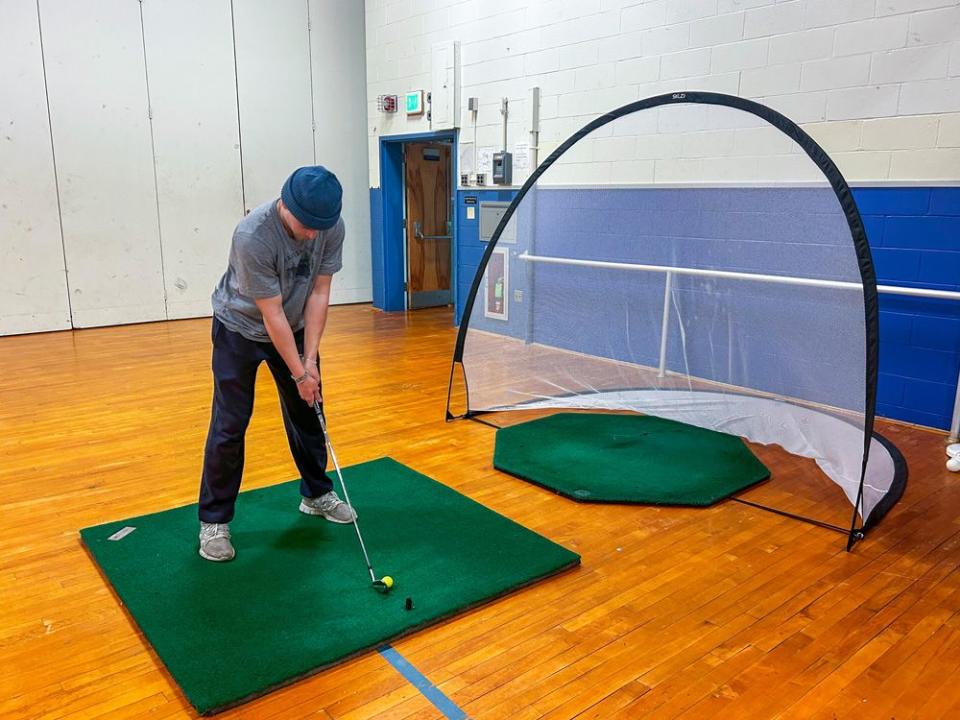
{"x": 387, "y": 103}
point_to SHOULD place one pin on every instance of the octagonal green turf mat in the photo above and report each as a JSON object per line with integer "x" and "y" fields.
{"x": 596, "y": 457}
{"x": 297, "y": 598}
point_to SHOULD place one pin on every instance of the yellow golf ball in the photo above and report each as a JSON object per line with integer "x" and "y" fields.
{"x": 387, "y": 580}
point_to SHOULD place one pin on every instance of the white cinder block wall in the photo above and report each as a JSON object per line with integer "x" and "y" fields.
{"x": 876, "y": 82}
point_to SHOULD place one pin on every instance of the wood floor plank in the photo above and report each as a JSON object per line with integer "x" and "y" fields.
{"x": 727, "y": 611}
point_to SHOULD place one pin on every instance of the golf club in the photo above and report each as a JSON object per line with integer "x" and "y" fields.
{"x": 384, "y": 584}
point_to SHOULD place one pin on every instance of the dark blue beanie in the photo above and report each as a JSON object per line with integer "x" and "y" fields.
{"x": 314, "y": 196}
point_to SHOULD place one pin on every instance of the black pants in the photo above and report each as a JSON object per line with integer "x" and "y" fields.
{"x": 235, "y": 363}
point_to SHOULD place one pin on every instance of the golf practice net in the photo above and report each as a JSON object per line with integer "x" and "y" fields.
{"x": 700, "y": 258}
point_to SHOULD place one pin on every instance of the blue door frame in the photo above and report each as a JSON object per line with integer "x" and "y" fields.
{"x": 388, "y": 248}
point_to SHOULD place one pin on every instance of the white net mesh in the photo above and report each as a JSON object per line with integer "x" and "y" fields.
{"x": 691, "y": 262}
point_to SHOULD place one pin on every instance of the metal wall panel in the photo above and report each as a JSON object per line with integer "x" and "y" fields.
{"x": 101, "y": 136}
{"x": 340, "y": 108}
{"x": 273, "y": 80}
{"x": 33, "y": 285}
{"x": 190, "y": 64}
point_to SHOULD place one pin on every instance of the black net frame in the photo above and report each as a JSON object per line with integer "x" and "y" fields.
{"x": 861, "y": 247}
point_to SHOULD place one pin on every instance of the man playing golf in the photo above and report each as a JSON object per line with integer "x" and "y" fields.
{"x": 271, "y": 306}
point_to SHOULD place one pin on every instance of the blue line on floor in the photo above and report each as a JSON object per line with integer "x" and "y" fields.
{"x": 430, "y": 691}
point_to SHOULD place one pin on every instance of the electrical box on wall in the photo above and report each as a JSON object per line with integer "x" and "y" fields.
{"x": 502, "y": 168}
{"x": 445, "y": 78}
{"x": 415, "y": 102}
{"x": 490, "y": 215}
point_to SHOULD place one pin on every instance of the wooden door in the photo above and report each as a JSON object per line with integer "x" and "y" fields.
{"x": 428, "y": 227}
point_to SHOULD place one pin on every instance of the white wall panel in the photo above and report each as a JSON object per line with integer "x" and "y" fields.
{"x": 33, "y": 286}
{"x": 340, "y": 109}
{"x": 101, "y": 136}
{"x": 189, "y": 51}
{"x": 273, "y": 78}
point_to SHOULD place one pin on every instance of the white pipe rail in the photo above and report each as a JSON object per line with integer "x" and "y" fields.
{"x": 756, "y": 277}
{"x": 732, "y": 275}
{"x": 664, "y": 325}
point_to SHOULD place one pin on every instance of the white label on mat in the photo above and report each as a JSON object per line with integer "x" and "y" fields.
{"x": 121, "y": 533}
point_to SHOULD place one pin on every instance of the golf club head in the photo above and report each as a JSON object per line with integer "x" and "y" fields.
{"x": 383, "y": 585}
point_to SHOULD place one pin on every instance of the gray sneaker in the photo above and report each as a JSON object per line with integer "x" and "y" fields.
{"x": 215, "y": 542}
{"x": 330, "y": 506}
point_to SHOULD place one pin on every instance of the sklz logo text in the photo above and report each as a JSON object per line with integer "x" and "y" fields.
{"x": 679, "y": 96}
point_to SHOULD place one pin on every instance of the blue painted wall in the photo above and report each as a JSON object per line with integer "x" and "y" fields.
{"x": 915, "y": 236}
{"x": 377, "y": 249}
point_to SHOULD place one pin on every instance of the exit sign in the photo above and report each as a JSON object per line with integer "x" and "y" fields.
{"x": 415, "y": 102}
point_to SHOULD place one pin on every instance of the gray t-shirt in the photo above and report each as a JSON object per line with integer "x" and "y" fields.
{"x": 266, "y": 262}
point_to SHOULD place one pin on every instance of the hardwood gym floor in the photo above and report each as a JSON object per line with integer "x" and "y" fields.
{"x": 725, "y": 612}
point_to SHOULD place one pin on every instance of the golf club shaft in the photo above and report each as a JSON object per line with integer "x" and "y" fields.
{"x": 346, "y": 495}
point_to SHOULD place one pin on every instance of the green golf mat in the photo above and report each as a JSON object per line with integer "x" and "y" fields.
{"x": 298, "y": 598}
{"x": 596, "y": 457}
